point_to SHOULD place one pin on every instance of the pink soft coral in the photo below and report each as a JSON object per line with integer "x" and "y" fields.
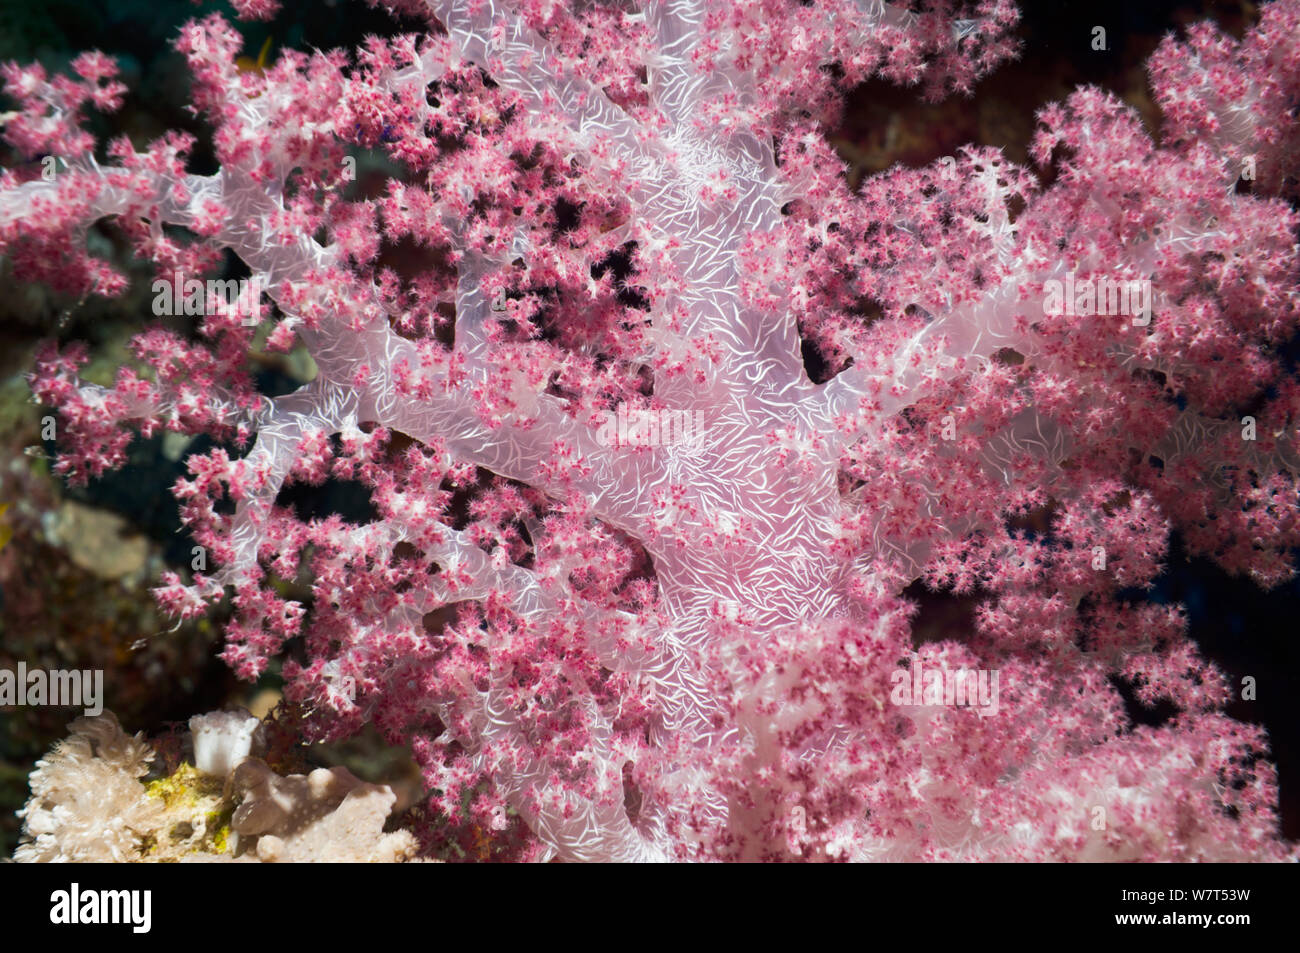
{"x": 688, "y": 649}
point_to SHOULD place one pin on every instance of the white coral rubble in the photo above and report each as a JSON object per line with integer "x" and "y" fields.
{"x": 89, "y": 804}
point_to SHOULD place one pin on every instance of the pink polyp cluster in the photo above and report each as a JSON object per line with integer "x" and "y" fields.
{"x": 693, "y": 648}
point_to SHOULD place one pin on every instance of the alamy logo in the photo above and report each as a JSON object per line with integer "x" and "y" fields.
{"x": 963, "y": 687}
{"x": 1087, "y": 296}
{"x": 59, "y": 688}
{"x": 177, "y": 295}
{"x": 649, "y": 428}
{"x": 73, "y": 906}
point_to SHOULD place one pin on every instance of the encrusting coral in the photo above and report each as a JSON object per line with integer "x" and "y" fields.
{"x": 327, "y": 815}
{"x": 90, "y": 804}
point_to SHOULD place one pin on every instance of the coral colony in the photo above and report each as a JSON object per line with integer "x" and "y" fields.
{"x": 633, "y": 588}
